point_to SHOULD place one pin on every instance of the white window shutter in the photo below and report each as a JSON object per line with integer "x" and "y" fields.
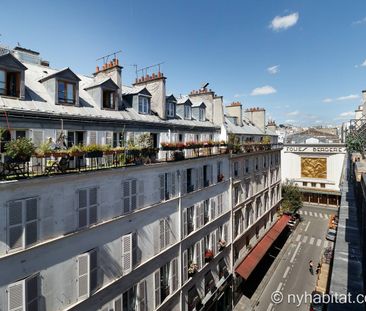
{"x": 174, "y": 275}
{"x": 185, "y": 223}
{"x": 15, "y": 225}
{"x": 202, "y": 214}
{"x": 157, "y": 287}
{"x": 126, "y": 196}
{"x": 161, "y": 233}
{"x": 185, "y": 266}
{"x": 16, "y": 296}
{"x": 37, "y": 137}
{"x": 127, "y": 253}
{"x": 142, "y": 297}
{"x": 109, "y": 138}
{"x": 162, "y": 187}
{"x": 168, "y": 232}
{"x": 173, "y": 187}
{"x": 83, "y": 276}
{"x": 93, "y": 205}
{"x": 184, "y": 182}
{"x": 133, "y": 194}
{"x": 217, "y": 237}
{"x": 91, "y": 137}
{"x": 198, "y": 254}
{"x": 225, "y": 233}
{"x": 141, "y": 194}
{"x": 197, "y": 211}
{"x": 212, "y": 209}
{"x": 202, "y": 246}
{"x": 117, "y": 304}
{"x": 212, "y": 242}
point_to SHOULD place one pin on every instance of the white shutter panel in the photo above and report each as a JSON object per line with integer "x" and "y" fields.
{"x": 37, "y": 137}
{"x": 109, "y": 138}
{"x": 15, "y": 224}
{"x": 185, "y": 223}
{"x": 167, "y": 232}
{"x": 217, "y": 236}
{"x": 16, "y": 296}
{"x": 212, "y": 209}
{"x": 161, "y": 233}
{"x": 198, "y": 254}
{"x": 93, "y": 205}
{"x": 173, "y": 187}
{"x": 202, "y": 243}
{"x": 126, "y": 196}
{"x": 83, "y": 276}
{"x": 184, "y": 182}
{"x": 185, "y": 266}
{"x": 141, "y": 194}
{"x": 197, "y": 211}
{"x": 202, "y": 211}
{"x": 92, "y": 137}
{"x": 174, "y": 275}
{"x": 162, "y": 187}
{"x": 225, "y": 233}
{"x": 157, "y": 287}
{"x": 212, "y": 242}
{"x": 127, "y": 253}
{"x": 118, "y": 304}
{"x": 133, "y": 194}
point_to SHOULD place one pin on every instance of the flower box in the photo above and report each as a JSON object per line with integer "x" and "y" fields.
{"x": 94, "y": 154}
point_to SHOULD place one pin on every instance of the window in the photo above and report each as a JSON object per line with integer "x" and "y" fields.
{"x": 209, "y": 283}
{"x": 131, "y": 196}
{"x": 87, "y": 275}
{"x": 22, "y": 223}
{"x": 206, "y": 212}
{"x": 144, "y": 105}
{"x": 87, "y": 207}
{"x": 220, "y": 176}
{"x": 223, "y": 272}
{"x": 165, "y": 233}
{"x": 118, "y": 139}
{"x": 219, "y": 204}
{"x": 322, "y": 185}
{"x": 166, "y": 281}
{"x": 9, "y": 83}
{"x": 170, "y": 109}
{"x": 66, "y": 92}
{"x": 313, "y": 184}
{"x": 25, "y": 294}
{"x": 188, "y": 216}
{"x": 129, "y": 299}
{"x": 187, "y": 112}
{"x": 236, "y": 169}
{"x": 167, "y": 184}
{"x": 304, "y": 183}
{"x": 207, "y": 175}
{"x": 247, "y": 166}
{"x": 194, "y": 299}
{"x": 142, "y": 297}
{"x": 109, "y": 99}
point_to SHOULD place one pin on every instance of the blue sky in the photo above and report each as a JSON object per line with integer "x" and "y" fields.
{"x": 318, "y": 46}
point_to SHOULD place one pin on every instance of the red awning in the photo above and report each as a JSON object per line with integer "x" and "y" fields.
{"x": 246, "y": 267}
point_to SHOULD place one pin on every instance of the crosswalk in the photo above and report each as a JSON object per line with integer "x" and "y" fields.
{"x": 314, "y": 214}
{"x": 312, "y": 240}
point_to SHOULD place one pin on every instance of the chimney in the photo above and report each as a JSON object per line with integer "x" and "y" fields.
{"x": 272, "y": 126}
{"x": 235, "y": 110}
{"x": 114, "y": 71}
{"x": 206, "y": 96}
{"x": 155, "y": 84}
{"x": 364, "y": 102}
{"x": 256, "y": 116}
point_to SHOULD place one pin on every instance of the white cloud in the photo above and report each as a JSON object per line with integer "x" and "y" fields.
{"x": 290, "y": 121}
{"x": 284, "y": 22}
{"x": 238, "y": 95}
{"x": 327, "y": 100}
{"x": 293, "y": 113}
{"x": 345, "y": 115}
{"x": 263, "y": 90}
{"x": 361, "y": 21}
{"x": 364, "y": 63}
{"x": 348, "y": 97}
{"x": 273, "y": 70}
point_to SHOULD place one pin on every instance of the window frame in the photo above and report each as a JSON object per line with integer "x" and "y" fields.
{"x": 144, "y": 104}
{"x": 65, "y": 100}
{"x": 111, "y": 95}
{"x": 87, "y": 207}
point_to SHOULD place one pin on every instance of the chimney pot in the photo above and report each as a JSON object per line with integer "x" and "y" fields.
{"x": 97, "y": 69}
{"x": 111, "y": 64}
{"x": 153, "y": 76}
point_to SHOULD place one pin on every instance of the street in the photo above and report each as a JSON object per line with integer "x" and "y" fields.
{"x": 292, "y": 275}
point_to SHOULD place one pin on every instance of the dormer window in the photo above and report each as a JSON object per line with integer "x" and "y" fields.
{"x": 144, "y": 105}
{"x": 170, "y": 109}
{"x": 66, "y": 92}
{"x": 9, "y": 83}
{"x": 187, "y": 112}
{"x": 109, "y": 99}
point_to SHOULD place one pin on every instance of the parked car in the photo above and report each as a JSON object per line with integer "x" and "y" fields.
{"x": 316, "y": 305}
{"x": 331, "y": 235}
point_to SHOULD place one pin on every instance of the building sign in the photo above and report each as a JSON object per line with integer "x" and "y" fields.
{"x": 314, "y": 167}
{"x": 314, "y": 149}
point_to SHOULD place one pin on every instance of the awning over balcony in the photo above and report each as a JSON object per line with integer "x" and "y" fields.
{"x": 246, "y": 267}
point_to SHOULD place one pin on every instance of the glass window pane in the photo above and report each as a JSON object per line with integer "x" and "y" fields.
{"x": 31, "y": 233}
{"x": 82, "y": 218}
{"x": 61, "y": 91}
{"x": 2, "y": 82}
{"x": 31, "y": 213}
{"x": 15, "y": 213}
{"x": 70, "y": 93}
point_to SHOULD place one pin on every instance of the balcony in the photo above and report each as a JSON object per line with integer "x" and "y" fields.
{"x": 94, "y": 157}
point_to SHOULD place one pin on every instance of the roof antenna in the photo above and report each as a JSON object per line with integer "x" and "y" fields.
{"x": 106, "y": 57}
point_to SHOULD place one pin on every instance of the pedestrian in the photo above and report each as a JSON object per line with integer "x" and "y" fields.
{"x": 311, "y": 266}
{"x": 318, "y": 268}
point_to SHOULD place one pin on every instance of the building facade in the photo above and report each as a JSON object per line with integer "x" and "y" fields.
{"x": 111, "y": 232}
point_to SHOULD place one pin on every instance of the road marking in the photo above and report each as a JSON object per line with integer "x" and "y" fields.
{"x": 279, "y": 287}
{"x": 320, "y": 215}
{"x": 270, "y": 306}
{"x": 294, "y": 255}
{"x": 325, "y": 244}
{"x": 307, "y": 226}
{"x": 312, "y": 241}
{"x": 305, "y": 239}
{"x": 298, "y": 238}
{"x": 300, "y": 212}
{"x": 306, "y": 213}
{"x": 315, "y": 214}
{"x": 311, "y": 213}
{"x": 318, "y": 242}
{"x": 286, "y": 272}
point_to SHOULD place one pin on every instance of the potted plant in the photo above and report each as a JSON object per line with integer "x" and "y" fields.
{"x": 44, "y": 150}
{"x": 19, "y": 150}
{"x": 93, "y": 151}
{"x": 220, "y": 178}
{"x": 192, "y": 269}
{"x": 76, "y": 151}
{"x": 178, "y": 155}
{"x": 208, "y": 255}
{"x": 108, "y": 150}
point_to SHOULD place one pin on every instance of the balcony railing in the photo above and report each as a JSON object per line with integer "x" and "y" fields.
{"x": 64, "y": 162}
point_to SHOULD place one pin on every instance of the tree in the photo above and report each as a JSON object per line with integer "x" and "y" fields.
{"x": 291, "y": 197}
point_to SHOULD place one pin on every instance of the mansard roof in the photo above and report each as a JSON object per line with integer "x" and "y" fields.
{"x": 65, "y": 73}
{"x": 107, "y": 83}
{"x": 8, "y": 60}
